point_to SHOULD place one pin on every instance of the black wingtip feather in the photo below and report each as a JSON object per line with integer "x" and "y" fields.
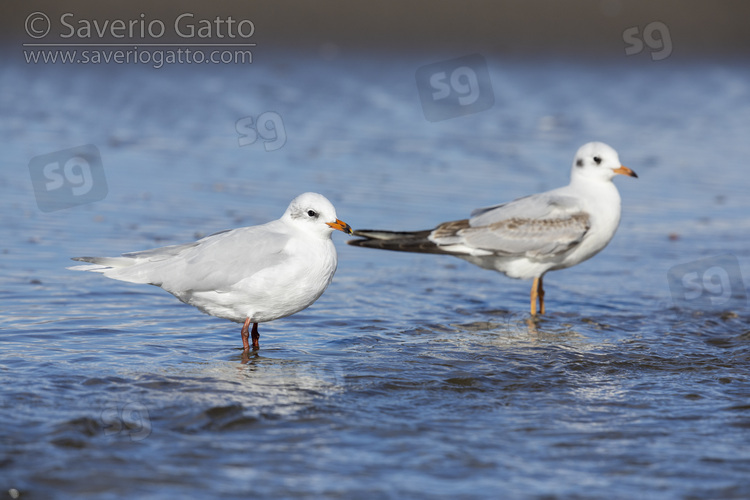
{"x": 417, "y": 241}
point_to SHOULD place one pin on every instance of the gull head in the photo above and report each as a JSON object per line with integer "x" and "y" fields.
{"x": 596, "y": 160}
{"x": 313, "y": 212}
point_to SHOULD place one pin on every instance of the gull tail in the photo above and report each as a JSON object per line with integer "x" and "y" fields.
{"x": 417, "y": 241}
{"x": 119, "y": 268}
{"x": 135, "y": 267}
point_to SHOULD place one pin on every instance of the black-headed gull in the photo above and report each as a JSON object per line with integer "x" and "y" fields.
{"x": 248, "y": 275}
{"x": 529, "y": 236}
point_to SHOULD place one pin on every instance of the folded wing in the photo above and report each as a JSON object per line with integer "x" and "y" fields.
{"x": 538, "y": 226}
{"x": 233, "y": 255}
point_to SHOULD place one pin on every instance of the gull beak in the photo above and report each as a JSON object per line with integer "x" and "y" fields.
{"x": 341, "y": 226}
{"x": 624, "y": 171}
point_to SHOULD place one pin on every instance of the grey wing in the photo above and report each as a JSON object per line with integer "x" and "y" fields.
{"x": 114, "y": 265}
{"x": 538, "y": 226}
{"x": 219, "y": 261}
{"x": 537, "y": 238}
{"x": 549, "y": 205}
{"x": 215, "y": 262}
{"x": 161, "y": 253}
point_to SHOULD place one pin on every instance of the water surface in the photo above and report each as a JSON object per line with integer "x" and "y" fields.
{"x": 414, "y": 375}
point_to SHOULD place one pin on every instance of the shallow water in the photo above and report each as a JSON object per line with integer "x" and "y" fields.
{"x": 414, "y": 375}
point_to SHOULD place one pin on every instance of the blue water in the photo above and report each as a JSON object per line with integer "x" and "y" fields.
{"x": 413, "y": 376}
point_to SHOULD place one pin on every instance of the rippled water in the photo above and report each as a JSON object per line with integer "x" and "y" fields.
{"x": 414, "y": 375}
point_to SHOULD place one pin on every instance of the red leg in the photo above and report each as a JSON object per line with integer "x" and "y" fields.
{"x": 256, "y": 337}
{"x": 245, "y": 334}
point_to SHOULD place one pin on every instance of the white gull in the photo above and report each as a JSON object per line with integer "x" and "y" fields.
{"x": 247, "y": 275}
{"x": 530, "y": 236}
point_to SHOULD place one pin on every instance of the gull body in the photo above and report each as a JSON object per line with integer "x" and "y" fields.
{"x": 248, "y": 275}
{"x": 530, "y": 236}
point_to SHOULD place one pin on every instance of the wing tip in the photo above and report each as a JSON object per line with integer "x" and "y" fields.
{"x": 84, "y": 259}
{"x": 96, "y": 268}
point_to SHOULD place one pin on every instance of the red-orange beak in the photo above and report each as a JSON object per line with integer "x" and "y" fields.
{"x": 341, "y": 226}
{"x": 624, "y": 171}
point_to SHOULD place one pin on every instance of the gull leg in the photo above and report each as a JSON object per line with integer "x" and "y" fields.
{"x": 537, "y": 293}
{"x": 245, "y": 334}
{"x": 256, "y": 337}
{"x": 541, "y": 296}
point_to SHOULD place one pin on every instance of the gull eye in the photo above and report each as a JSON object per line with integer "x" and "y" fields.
{"x": 597, "y": 159}
{"x": 312, "y": 213}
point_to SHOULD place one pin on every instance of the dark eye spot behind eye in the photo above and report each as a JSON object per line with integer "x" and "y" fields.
{"x": 597, "y": 160}
{"x": 579, "y": 163}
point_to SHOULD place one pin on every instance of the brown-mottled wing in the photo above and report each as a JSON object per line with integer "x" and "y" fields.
{"x": 529, "y": 237}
